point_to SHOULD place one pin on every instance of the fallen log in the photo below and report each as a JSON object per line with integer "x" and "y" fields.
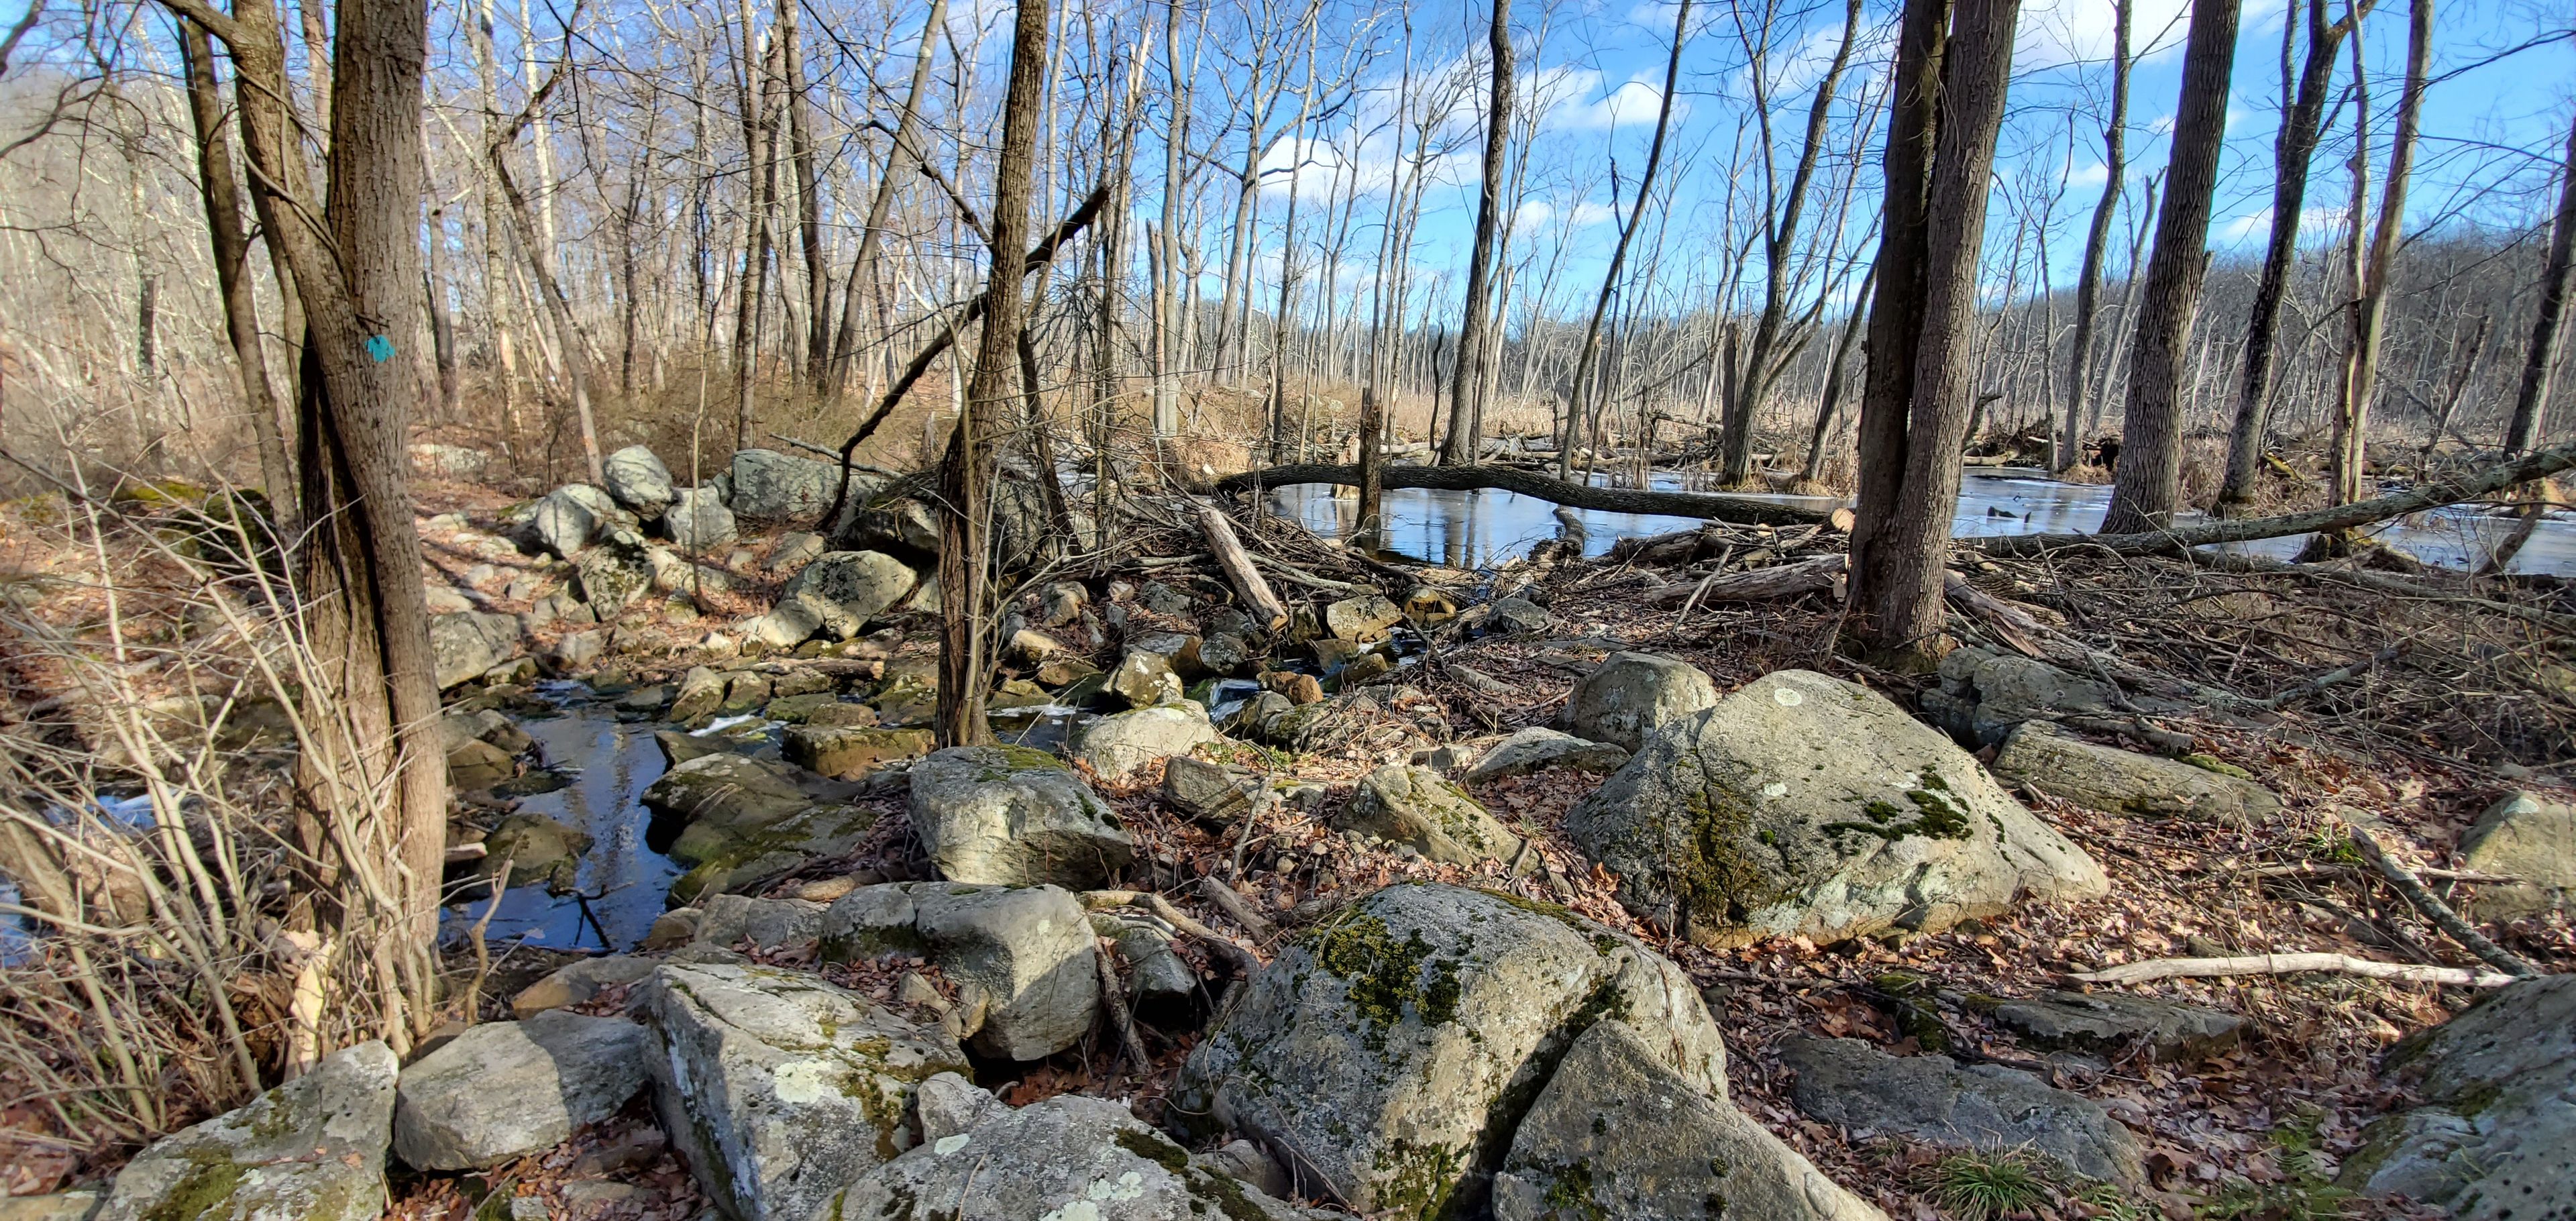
{"x": 1789, "y": 580}
{"x": 1707, "y": 505}
{"x": 2289, "y": 964}
{"x": 2379, "y": 582}
{"x": 2539, "y": 464}
{"x": 2435, "y": 910}
{"x": 1239, "y": 572}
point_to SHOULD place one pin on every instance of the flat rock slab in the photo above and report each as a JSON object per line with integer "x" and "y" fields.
{"x": 2118, "y": 781}
{"x": 1616, "y": 1134}
{"x": 1538, "y": 748}
{"x": 1803, "y": 805}
{"x": 579, "y": 982}
{"x": 2112, "y": 1024}
{"x": 2493, "y": 1140}
{"x": 1418, "y": 807}
{"x": 1069, "y": 1158}
{"x": 1937, "y": 1101}
{"x": 312, "y": 1149}
{"x": 777, "y": 1089}
{"x": 503, "y": 1090}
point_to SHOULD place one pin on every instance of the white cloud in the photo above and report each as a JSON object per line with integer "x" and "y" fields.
{"x": 2055, "y": 33}
{"x": 2315, "y": 224}
{"x": 2092, "y": 175}
{"x": 2161, "y": 125}
{"x": 1628, "y": 105}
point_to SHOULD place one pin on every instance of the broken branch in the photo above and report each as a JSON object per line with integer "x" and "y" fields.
{"x": 2289, "y": 964}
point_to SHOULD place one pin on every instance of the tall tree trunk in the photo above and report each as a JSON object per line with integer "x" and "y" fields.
{"x": 966, "y": 475}
{"x": 2292, "y": 148}
{"x": 753, "y": 287}
{"x": 2147, "y": 486}
{"x": 231, "y": 244}
{"x": 571, "y": 345}
{"x": 809, "y": 196}
{"x": 1914, "y": 411}
{"x": 2370, "y": 308}
{"x": 1465, "y": 440}
{"x": 2531, "y": 400}
{"x": 1764, "y": 362}
{"x": 899, "y": 155}
{"x": 1590, "y": 352}
{"x": 2097, "y": 240}
{"x": 1819, "y": 445}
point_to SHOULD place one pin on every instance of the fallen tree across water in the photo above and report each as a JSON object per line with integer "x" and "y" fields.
{"x": 1713, "y": 506}
{"x": 2539, "y": 464}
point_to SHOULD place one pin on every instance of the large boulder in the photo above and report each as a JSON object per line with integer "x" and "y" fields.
{"x": 778, "y": 1088}
{"x": 1627, "y": 697}
{"x": 1011, "y": 816}
{"x": 1392, "y": 1050}
{"x": 741, "y": 820}
{"x": 2117, "y": 781}
{"x": 1936, "y": 1101}
{"x": 1119, "y": 744}
{"x": 1069, "y": 1158}
{"x": 1416, "y": 807}
{"x": 2490, "y": 1141}
{"x": 502, "y": 1090}
{"x": 771, "y": 486}
{"x": 1803, "y": 805}
{"x": 848, "y": 752}
{"x": 1618, "y": 1134}
{"x": 465, "y": 644}
{"x": 1028, "y": 948}
{"x": 312, "y": 1149}
{"x": 1539, "y": 748}
{"x": 2529, "y": 837}
{"x": 615, "y": 572}
{"x": 564, "y": 520}
{"x": 843, "y": 590}
{"x": 698, "y": 522}
{"x": 637, "y": 480}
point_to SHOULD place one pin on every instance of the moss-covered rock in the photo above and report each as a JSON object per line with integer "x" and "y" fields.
{"x": 312, "y": 1149}
{"x": 1629, "y": 695}
{"x": 1011, "y": 816}
{"x": 1393, "y": 1050}
{"x": 1417, "y": 807}
{"x": 2492, "y": 1140}
{"x": 1804, "y": 805}
{"x": 2124, "y": 782}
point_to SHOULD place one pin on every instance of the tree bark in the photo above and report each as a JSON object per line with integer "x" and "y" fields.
{"x": 1914, "y": 417}
{"x": 2097, "y": 240}
{"x": 1465, "y": 439}
{"x": 872, "y": 237}
{"x": 2291, "y": 151}
{"x": 966, "y": 510}
{"x": 2531, "y": 400}
{"x": 753, "y": 287}
{"x": 2370, "y": 309}
{"x": 2147, "y": 486}
{"x": 1828, "y": 409}
{"x": 571, "y": 345}
{"x": 231, "y": 245}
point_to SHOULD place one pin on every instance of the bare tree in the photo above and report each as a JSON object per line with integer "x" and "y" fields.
{"x": 2147, "y": 485}
{"x": 2531, "y": 399}
{"x": 2097, "y": 239}
{"x": 1465, "y": 440}
{"x": 216, "y": 185}
{"x": 2370, "y": 303}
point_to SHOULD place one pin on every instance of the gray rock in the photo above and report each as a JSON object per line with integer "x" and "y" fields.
{"x": 1011, "y": 816}
{"x": 1538, "y": 748}
{"x": 843, "y": 590}
{"x": 1246, "y": 1162}
{"x": 446, "y": 600}
{"x": 697, "y": 522}
{"x": 1390, "y": 1051}
{"x": 1161, "y": 976}
{"x": 905, "y": 525}
{"x": 567, "y": 518}
{"x": 769, "y": 924}
{"x": 1629, "y": 695}
{"x": 1028, "y": 948}
{"x": 574, "y": 650}
{"x": 1162, "y": 599}
{"x": 849, "y": 752}
{"x": 1061, "y": 602}
{"x": 538, "y": 849}
{"x": 77, "y": 1204}
{"x": 747, "y": 821}
{"x": 502, "y": 1090}
{"x": 777, "y": 1088}
{"x": 2526, "y": 836}
{"x": 1981, "y": 1106}
{"x": 1118, "y": 744}
{"x": 1254, "y": 718}
{"x": 1618, "y": 1135}
{"x": 636, "y": 479}
{"x": 2124, "y": 782}
{"x": 770, "y": 486}
{"x": 1069, "y": 1158}
{"x": 464, "y": 645}
{"x": 1225, "y": 656}
{"x": 2114, "y": 1024}
{"x": 1364, "y": 619}
{"x": 2491, "y": 1141}
{"x": 701, "y": 692}
{"x": 312, "y": 1149}
{"x": 946, "y": 1104}
{"x": 1416, "y": 806}
{"x": 1144, "y": 680}
{"x": 614, "y": 572}
{"x": 1210, "y": 792}
{"x": 795, "y": 549}
{"x": 578, "y": 982}
{"x": 1518, "y": 617}
{"x": 1984, "y": 695}
{"x": 1802, "y": 805}
{"x": 1179, "y": 651}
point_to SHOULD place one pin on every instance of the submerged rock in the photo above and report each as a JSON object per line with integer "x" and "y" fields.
{"x": 1011, "y": 816}
{"x": 1392, "y": 1050}
{"x": 503, "y": 1090}
{"x": 1627, "y": 697}
{"x": 777, "y": 1088}
{"x": 312, "y": 1149}
{"x": 2491, "y": 1141}
{"x": 1802, "y": 805}
{"x": 1933, "y": 1099}
{"x": 2117, "y": 781}
{"x": 1618, "y": 1134}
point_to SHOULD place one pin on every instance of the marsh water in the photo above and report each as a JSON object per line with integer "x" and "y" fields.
{"x": 1482, "y": 529}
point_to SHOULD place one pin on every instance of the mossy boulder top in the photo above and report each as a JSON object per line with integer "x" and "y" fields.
{"x": 2491, "y": 1141}
{"x": 1803, "y": 805}
{"x": 313, "y": 1148}
{"x": 1392, "y": 1050}
{"x": 1012, "y": 816}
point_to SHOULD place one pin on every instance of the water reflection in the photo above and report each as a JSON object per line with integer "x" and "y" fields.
{"x": 611, "y": 763}
{"x": 1485, "y": 528}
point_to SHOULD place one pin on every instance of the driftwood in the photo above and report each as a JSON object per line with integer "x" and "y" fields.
{"x": 1241, "y": 912}
{"x": 1221, "y": 945}
{"x": 2289, "y": 964}
{"x": 2539, "y": 464}
{"x": 1239, "y": 572}
{"x": 1790, "y": 580}
{"x": 1708, "y": 505}
{"x": 1113, "y": 997}
{"x": 2435, "y": 910}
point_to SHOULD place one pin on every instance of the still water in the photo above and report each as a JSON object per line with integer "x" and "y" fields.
{"x": 1482, "y": 529}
